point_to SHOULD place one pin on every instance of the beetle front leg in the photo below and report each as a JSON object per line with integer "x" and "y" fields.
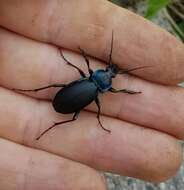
{"x": 42, "y": 88}
{"x": 123, "y": 91}
{"x": 98, "y": 114}
{"x": 75, "y": 116}
{"x": 110, "y": 54}
{"x": 87, "y": 61}
{"x": 70, "y": 64}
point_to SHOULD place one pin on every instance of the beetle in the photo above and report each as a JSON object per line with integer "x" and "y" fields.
{"x": 75, "y": 96}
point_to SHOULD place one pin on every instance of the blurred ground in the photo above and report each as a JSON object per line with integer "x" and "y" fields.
{"x": 117, "y": 182}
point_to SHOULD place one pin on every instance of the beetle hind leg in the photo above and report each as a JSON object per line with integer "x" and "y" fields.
{"x": 75, "y": 116}
{"x": 98, "y": 115}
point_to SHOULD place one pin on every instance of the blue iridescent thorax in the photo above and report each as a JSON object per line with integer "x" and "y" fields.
{"x": 102, "y": 80}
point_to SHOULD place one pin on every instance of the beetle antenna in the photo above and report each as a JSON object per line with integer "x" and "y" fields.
{"x": 110, "y": 55}
{"x": 124, "y": 71}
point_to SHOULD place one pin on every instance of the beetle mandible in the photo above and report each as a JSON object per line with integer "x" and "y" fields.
{"x": 73, "y": 97}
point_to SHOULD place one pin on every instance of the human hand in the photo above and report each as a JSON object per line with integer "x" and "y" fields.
{"x": 145, "y": 128}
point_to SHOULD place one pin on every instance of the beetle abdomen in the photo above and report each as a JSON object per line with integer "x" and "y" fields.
{"x": 75, "y": 96}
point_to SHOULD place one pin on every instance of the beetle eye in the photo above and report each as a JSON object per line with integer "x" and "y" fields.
{"x": 108, "y": 68}
{"x": 115, "y": 69}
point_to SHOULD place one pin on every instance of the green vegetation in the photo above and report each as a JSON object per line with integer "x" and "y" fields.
{"x": 172, "y": 10}
{"x": 154, "y": 6}
{"x": 118, "y": 2}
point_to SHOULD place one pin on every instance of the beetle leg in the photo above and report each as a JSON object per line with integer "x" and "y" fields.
{"x": 98, "y": 114}
{"x": 79, "y": 70}
{"x": 75, "y": 116}
{"x": 42, "y": 88}
{"x": 87, "y": 61}
{"x": 110, "y": 54}
{"x": 123, "y": 91}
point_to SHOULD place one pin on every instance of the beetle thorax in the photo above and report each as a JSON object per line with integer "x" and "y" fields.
{"x": 102, "y": 79}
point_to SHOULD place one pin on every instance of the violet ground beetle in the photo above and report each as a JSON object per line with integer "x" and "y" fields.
{"x": 73, "y": 97}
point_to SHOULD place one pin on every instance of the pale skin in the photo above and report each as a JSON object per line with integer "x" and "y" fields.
{"x": 145, "y": 128}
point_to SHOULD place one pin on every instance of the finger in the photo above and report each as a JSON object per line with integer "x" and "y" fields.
{"x": 34, "y": 169}
{"x": 129, "y": 149}
{"x": 63, "y": 22}
{"x": 26, "y": 64}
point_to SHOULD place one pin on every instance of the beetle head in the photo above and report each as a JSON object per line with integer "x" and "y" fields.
{"x": 113, "y": 69}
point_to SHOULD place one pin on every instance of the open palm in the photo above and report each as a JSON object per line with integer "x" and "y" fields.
{"x": 145, "y": 127}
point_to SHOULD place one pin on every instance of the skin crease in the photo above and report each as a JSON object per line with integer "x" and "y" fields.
{"x": 145, "y": 146}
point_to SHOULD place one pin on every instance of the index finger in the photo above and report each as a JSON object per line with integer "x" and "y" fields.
{"x": 89, "y": 24}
